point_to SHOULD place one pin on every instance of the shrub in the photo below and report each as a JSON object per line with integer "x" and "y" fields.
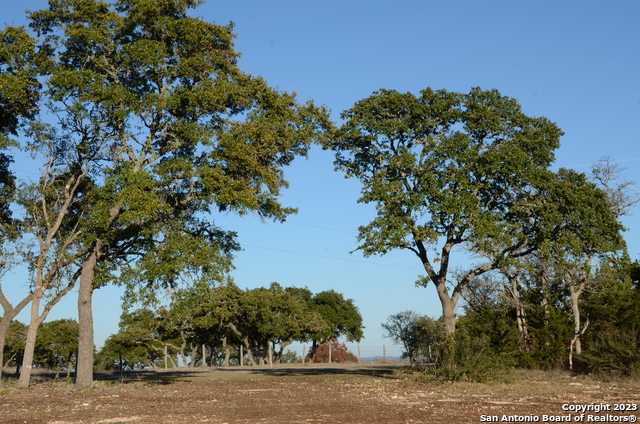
{"x": 614, "y": 353}
{"x": 339, "y": 352}
{"x": 465, "y": 358}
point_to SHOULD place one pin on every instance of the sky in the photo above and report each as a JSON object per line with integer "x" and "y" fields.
{"x": 575, "y": 62}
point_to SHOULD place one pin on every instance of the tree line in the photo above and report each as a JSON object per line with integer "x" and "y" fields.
{"x": 223, "y": 325}
{"x": 142, "y": 128}
{"x": 528, "y": 323}
{"x": 204, "y": 325}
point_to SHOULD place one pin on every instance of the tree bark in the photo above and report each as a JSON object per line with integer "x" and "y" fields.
{"x": 30, "y": 342}
{"x": 448, "y": 308}
{"x": 227, "y": 351}
{"x": 575, "y": 294}
{"x": 521, "y": 320}
{"x": 84, "y": 372}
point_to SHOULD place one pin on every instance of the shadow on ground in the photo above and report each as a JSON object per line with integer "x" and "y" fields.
{"x": 180, "y": 374}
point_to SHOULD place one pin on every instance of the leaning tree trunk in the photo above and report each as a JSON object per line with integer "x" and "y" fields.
{"x": 30, "y": 342}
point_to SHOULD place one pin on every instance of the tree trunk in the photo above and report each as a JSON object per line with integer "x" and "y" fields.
{"x": 575, "y": 294}
{"x": 84, "y": 371}
{"x": 227, "y": 351}
{"x": 30, "y": 342}
{"x": 448, "y": 308}
{"x": 182, "y": 348}
{"x": 521, "y": 320}
{"x": 249, "y": 353}
{"x": 283, "y": 345}
{"x": 193, "y": 355}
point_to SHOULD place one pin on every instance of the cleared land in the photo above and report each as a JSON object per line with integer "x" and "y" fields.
{"x": 364, "y": 393}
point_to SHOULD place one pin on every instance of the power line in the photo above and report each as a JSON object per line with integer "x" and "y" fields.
{"x": 322, "y": 228}
{"x": 329, "y": 257}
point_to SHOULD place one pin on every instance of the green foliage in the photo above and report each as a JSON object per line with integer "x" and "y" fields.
{"x": 614, "y": 353}
{"x": 446, "y": 169}
{"x": 613, "y": 307}
{"x": 137, "y": 340}
{"x": 579, "y": 220}
{"x": 57, "y": 344}
{"x": 19, "y": 86}
{"x": 441, "y": 164}
{"x": 222, "y": 315}
{"x": 466, "y": 357}
{"x": 341, "y": 315}
{"x": 14, "y": 343}
{"x": 290, "y": 357}
{"x": 410, "y": 330}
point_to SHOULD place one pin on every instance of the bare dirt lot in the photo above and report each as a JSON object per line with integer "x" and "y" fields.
{"x": 363, "y": 393}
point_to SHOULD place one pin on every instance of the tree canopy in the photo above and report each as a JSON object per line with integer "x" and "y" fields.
{"x": 445, "y": 169}
{"x": 155, "y": 128}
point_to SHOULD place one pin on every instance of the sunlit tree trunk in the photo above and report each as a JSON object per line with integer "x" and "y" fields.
{"x": 84, "y": 371}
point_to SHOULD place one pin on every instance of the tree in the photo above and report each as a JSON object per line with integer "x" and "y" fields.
{"x": 14, "y": 344}
{"x": 416, "y": 333}
{"x": 400, "y": 328}
{"x": 341, "y": 315}
{"x": 274, "y": 317}
{"x": 331, "y": 351}
{"x": 584, "y": 229}
{"x": 607, "y": 175}
{"x": 19, "y": 93}
{"x": 51, "y": 221}
{"x": 446, "y": 170}
{"x": 57, "y": 344}
{"x": 137, "y": 341}
{"x": 187, "y": 130}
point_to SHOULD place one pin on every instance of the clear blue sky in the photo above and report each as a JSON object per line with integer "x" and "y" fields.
{"x": 577, "y": 63}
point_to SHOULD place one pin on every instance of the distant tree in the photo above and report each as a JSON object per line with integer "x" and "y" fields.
{"x": 416, "y": 333}
{"x": 275, "y": 317}
{"x": 14, "y": 344}
{"x": 446, "y": 170}
{"x": 137, "y": 340}
{"x": 290, "y": 357}
{"x": 341, "y": 315}
{"x": 57, "y": 344}
{"x": 332, "y": 349}
{"x": 400, "y": 328}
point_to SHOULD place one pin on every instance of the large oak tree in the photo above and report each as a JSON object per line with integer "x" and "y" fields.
{"x": 447, "y": 171}
{"x": 176, "y": 132}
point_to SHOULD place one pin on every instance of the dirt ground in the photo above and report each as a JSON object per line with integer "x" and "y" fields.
{"x": 364, "y": 393}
